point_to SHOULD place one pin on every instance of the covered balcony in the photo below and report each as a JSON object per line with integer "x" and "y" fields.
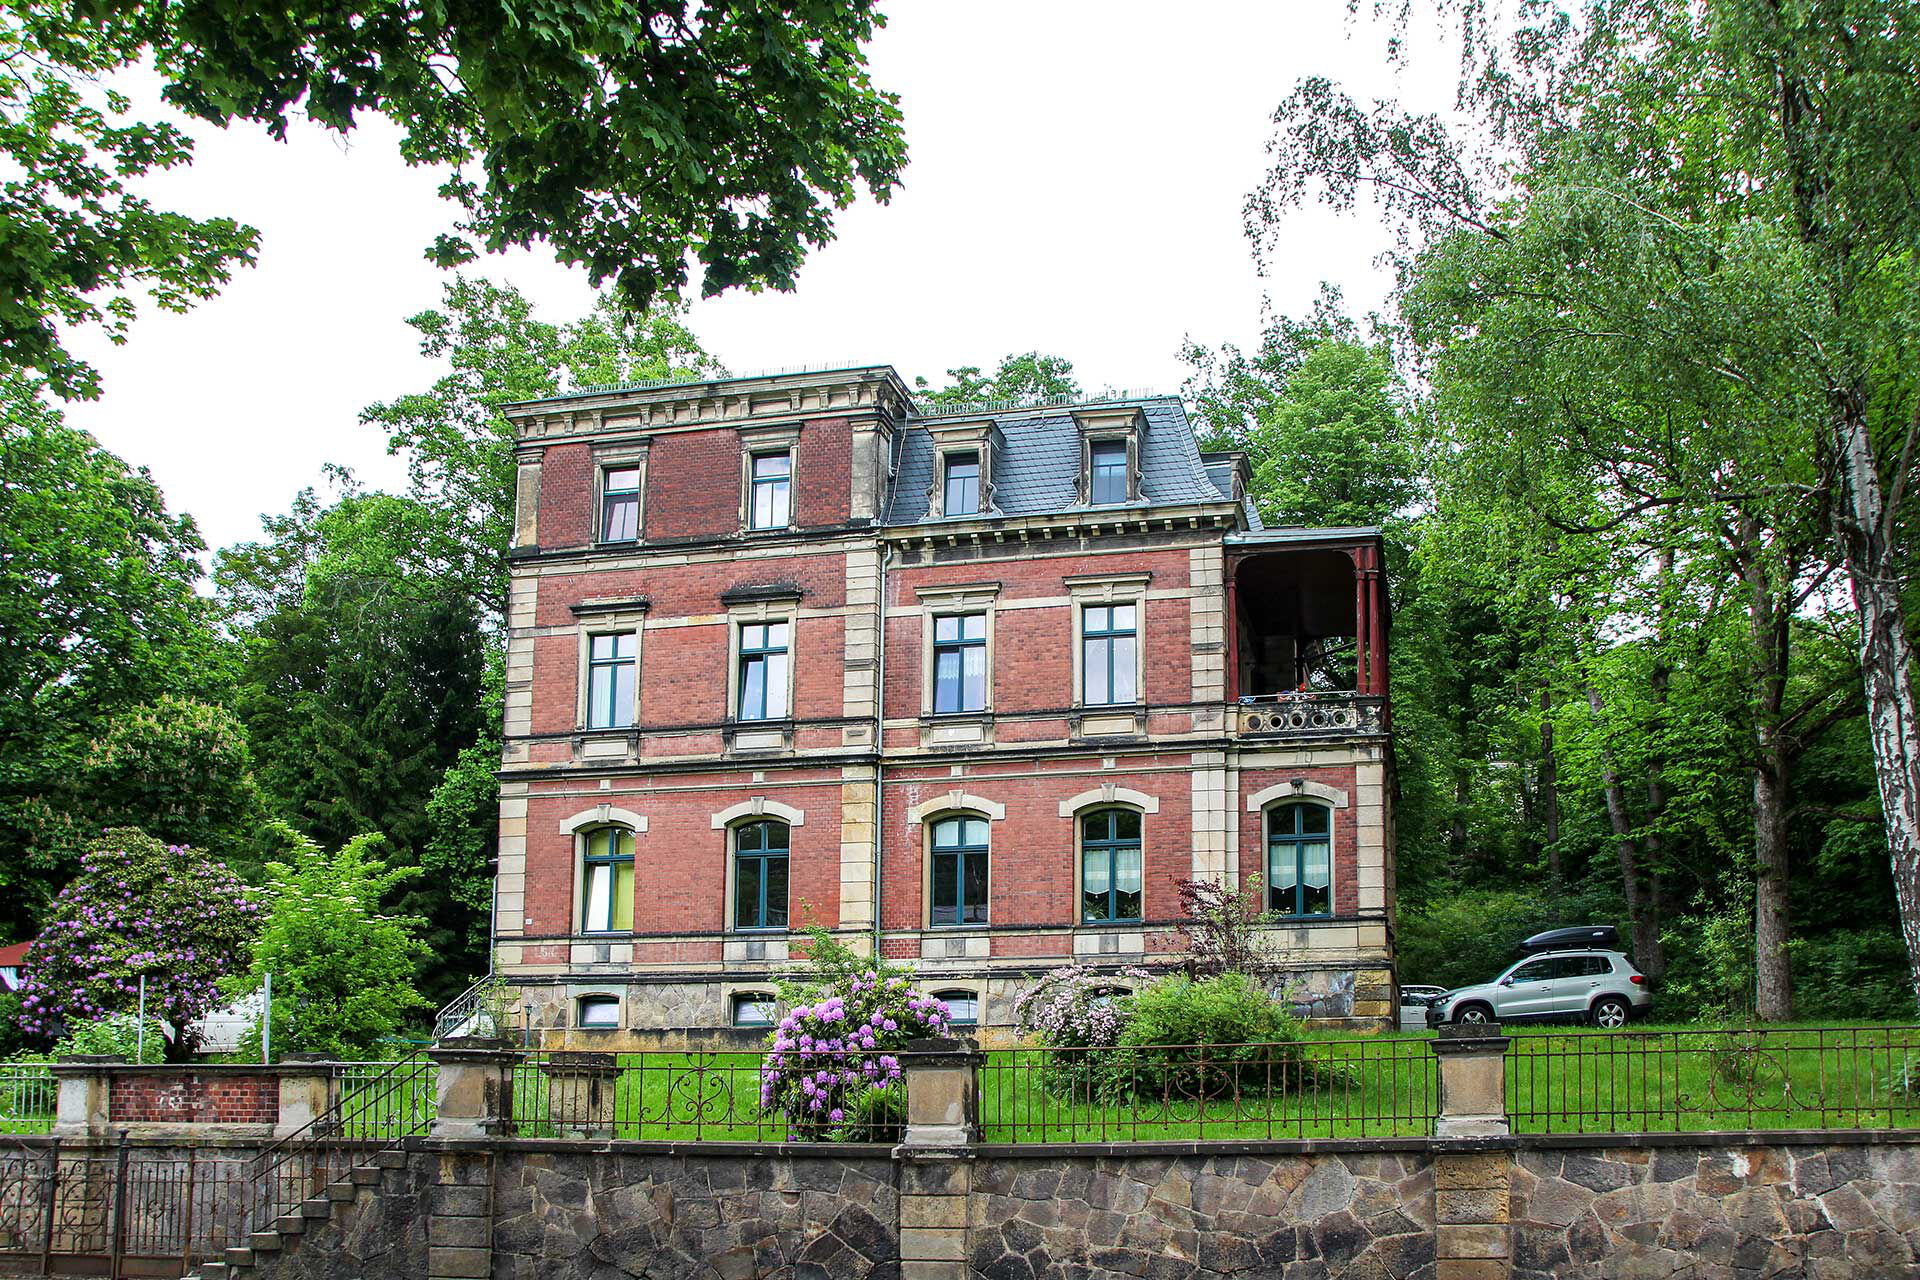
{"x": 1307, "y": 644}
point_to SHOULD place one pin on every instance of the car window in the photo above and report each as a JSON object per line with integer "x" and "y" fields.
{"x": 1534, "y": 971}
{"x": 1590, "y": 966}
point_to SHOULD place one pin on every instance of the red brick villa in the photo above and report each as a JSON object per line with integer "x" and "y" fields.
{"x": 976, "y": 688}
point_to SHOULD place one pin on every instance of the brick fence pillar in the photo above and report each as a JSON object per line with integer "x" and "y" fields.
{"x": 1473, "y": 1234}
{"x": 936, "y": 1157}
{"x": 474, "y": 1090}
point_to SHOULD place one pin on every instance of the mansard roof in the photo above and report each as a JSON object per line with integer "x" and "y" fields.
{"x": 1038, "y": 473}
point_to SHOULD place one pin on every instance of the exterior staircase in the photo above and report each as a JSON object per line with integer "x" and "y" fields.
{"x": 384, "y": 1171}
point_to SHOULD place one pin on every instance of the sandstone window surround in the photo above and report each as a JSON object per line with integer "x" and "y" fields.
{"x": 1106, "y": 800}
{"x": 597, "y": 1012}
{"x": 763, "y": 655}
{"x": 1112, "y": 438}
{"x": 769, "y": 491}
{"x": 964, "y": 1001}
{"x": 974, "y": 600}
{"x": 970, "y": 840}
{"x": 1298, "y": 792}
{"x": 975, "y": 440}
{"x": 605, "y": 840}
{"x": 610, "y": 658}
{"x": 620, "y": 493}
{"x": 754, "y": 811}
{"x": 753, "y": 1008}
{"x": 1096, "y": 716}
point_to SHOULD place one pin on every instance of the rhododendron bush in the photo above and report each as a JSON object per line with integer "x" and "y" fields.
{"x": 833, "y": 1067}
{"x": 137, "y": 907}
{"x": 1077, "y": 1008}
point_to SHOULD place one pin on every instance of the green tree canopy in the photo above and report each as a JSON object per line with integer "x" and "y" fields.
{"x": 631, "y": 141}
{"x": 342, "y": 966}
{"x": 1022, "y": 378}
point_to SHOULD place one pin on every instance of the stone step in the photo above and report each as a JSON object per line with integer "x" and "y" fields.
{"x": 264, "y": 1241}
{"x": 365, "y": 1175}
{"x": 391, "y": 1159}
{"x": 341, "y": 1192}
{"x": 238, "y": 1258}
{"x": 290, "y": 1224}
{"x": 212, "y": 1271}
{"x": 318, "y": 1207}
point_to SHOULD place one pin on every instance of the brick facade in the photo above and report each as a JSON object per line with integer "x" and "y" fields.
{"x": 860, "y": 768}
{"x": 185, "y": 1098}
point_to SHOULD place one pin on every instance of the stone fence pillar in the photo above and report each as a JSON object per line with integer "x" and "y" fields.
{"x": 306, "y": 1081}
{"x": 936, "y": 1157}
{"x": 474, "y": 1090}
{"x": 84, "y": 1084}
{"x": 1473, "y": 1233}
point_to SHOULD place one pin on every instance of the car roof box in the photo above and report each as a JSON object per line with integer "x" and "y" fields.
{"x": 1602, "y": 937}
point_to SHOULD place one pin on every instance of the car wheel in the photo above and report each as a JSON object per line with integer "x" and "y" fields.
{"x": 1610, "y": 1012}
{"x": 1474, "y": 1015}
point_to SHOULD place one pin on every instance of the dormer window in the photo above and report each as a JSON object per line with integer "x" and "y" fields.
{"x": 962, "y": 484}
{"x": 1108, "y": 477}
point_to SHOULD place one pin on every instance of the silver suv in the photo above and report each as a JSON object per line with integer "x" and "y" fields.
{"x": 1601, "y": 987}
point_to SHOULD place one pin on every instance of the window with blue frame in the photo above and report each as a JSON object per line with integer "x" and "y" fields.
{"x": 760, "y": 875}
{"x": 611, "y": 671}
{"x": 962, "y": 491}
{"x": 1109, "y": 655}
{"x": 960, "y": 663}
{"x": 959, "y": 872}
{"x": 1108, "y": 460}
{"x": 1300, "y": 860}
{"x": 770, "y": 505}
{"x": 1110, "y": 866}
{"x": 763, "y": 670}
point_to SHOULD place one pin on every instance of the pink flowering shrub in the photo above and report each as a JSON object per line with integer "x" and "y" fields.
{"x": 137, "y": 907}
{"x": 832, "y": 1067}
{"x": 1076, "y": 1008}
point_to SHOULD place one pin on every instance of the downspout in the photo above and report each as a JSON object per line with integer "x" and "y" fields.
{"x": 879, "y": 746}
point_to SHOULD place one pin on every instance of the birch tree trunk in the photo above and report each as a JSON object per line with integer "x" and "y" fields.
{"x": 1863, "y": 528}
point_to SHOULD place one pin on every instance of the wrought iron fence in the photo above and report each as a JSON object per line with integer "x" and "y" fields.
{"x": 1714, "y": 1080}
{"x": 1293, "y": 1089}
{"x": 27, "y": 1093}
{"x": 707, "y": 1097}
{"x": 124, "y": 1211}
{"x": 380, "y": 1101}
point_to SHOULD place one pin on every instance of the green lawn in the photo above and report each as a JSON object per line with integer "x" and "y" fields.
{"x": 1559, "y": 1080}
{"x": 27, "y": 1095}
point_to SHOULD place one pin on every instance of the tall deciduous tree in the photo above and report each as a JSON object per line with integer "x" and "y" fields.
{"x": 1736, "y": 139}
{"x": 98, "y": 615}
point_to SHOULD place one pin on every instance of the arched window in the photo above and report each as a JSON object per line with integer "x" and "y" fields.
{"x": 606, "y": 903}
{"x": 1300, "y": 860}
{"x": 1110, "y": 872}
{"x": 760, "y": 875}
{"x": 958, "y": 882}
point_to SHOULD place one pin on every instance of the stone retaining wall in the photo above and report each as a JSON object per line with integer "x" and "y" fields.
{"x": 1829, "y": 1208}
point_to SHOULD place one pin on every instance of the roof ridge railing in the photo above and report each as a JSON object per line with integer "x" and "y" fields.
{"x": 689, "y": 376}
{"x": 1107, "y": 396}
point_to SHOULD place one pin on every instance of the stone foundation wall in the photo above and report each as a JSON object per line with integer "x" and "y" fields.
{"x": 1283, "y": 1216}
{"x": 704, "y": 1212}
{"x": 1828, "y": 1211}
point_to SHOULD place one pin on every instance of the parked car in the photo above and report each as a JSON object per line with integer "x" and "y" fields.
{"x": 1588, "y": 984}
{"x": 1414, "y": 999}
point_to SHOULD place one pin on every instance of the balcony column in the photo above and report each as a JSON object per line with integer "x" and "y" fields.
{"x": 1362, "y": 667}
{"x": 1377, "y": 628}
{"x": 1233, "y": 632}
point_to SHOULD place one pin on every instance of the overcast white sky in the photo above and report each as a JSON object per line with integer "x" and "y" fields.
{"x": 1075, "y": 185}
